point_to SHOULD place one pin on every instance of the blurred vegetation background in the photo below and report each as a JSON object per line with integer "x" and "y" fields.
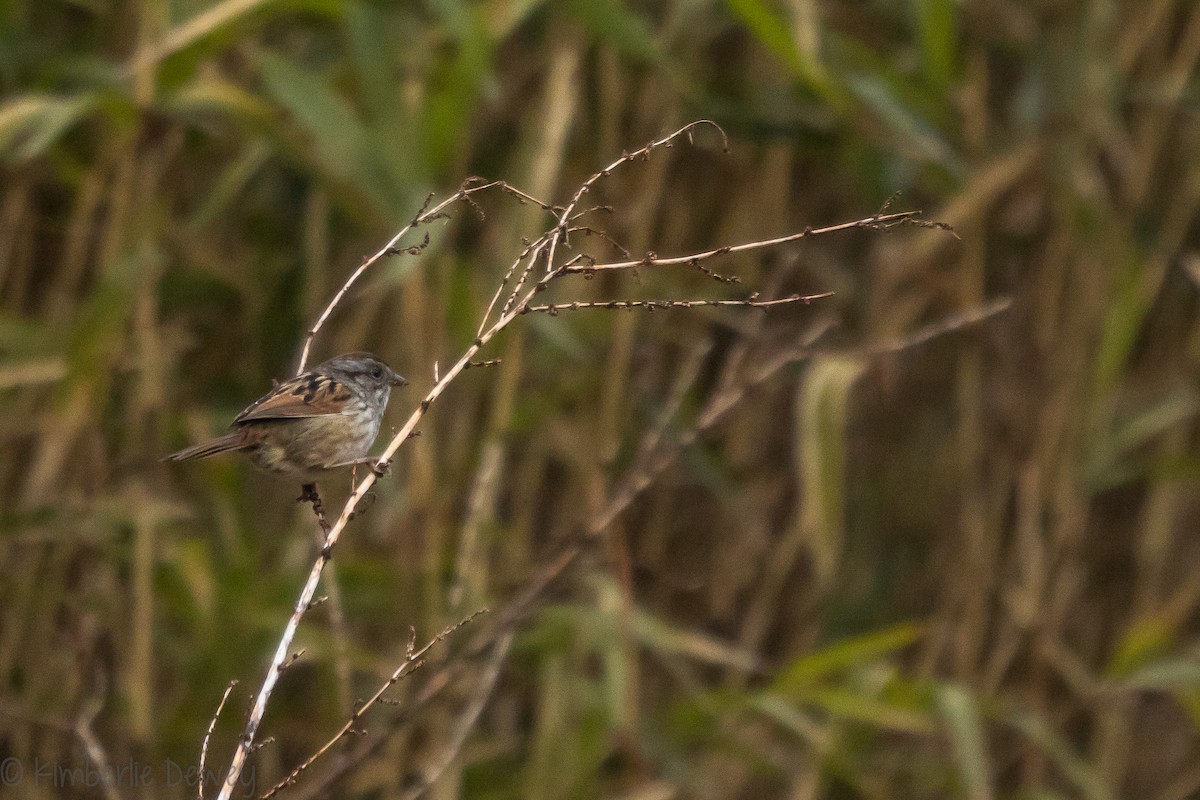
{"x": 960, "y": 565}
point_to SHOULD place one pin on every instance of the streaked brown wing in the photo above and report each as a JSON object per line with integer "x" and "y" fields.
{"x": 307, "y": 395}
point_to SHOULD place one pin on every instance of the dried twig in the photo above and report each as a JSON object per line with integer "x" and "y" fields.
{"x": 336, "y": 610}
{"x": 654, "y": 305}
{"x": 952, "y": 323}
{"x": 93, "y": 748}
{"x": 483, "y": 688}
{"x": 426, "y": 215}
{"x": 412, "y": 661}
{"x": 212, "y": 724}
{"x": 876, "y": 222}
{"x": 518, "y": 302}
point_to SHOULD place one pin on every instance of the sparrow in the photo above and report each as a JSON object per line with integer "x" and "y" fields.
{"x": 322, "y": 419}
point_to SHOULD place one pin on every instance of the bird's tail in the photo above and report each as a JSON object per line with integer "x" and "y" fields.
{"x": 235, "y": 440}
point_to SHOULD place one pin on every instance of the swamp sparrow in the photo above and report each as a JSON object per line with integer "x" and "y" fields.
{"x": 319, "y": 420}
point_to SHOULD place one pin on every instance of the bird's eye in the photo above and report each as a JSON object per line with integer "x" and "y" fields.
{"x": 377, "y": 371}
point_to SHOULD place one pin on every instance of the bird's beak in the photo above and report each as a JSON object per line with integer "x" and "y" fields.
{"x": 399, "y": 380}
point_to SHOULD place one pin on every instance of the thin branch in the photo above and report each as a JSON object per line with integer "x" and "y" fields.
{"x": 336, "y": 609}
{"x": 588, "y": 230}
{"x": 212, "y": 724}
{"x": 425, "y": 215}
{"x": 483, "y": 688}
{"x": 876, "y": 222}
{"x": 525, "y": 197}
{"x": 656, "y": 305}
{"x": 276, "y": 667}
{"x": 560, "y": 230}
{"x": 530, "y": 263}
{"x": 952, "y": 323}
{"x": 93, "y": 748}
{"x": 412, "y": 660}
{"x": 517, "y": 304}
{"x": 684, "y": 380}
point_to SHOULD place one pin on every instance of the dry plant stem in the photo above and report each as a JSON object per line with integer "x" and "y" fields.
{"x": 684, "y": 381}
{"x": 530, "y": 264}
{"x": 339, "y": 632}
{"x": 549, "y": 241}
{"x": 498, "y": 639}
{"x": 530, "y": 257}
{"x": 951, "y": 323}
{"x": 413, "y": 659}
{"x": 81, "y": 728}
{"x": 212, "y": 724}
{"x": 568, "y": 211}
{"x": 514, "y": 309}
{"x": 657, "y": 305}
{"x": 93, "y": 748}
{"x": 879, "y": 221}
{"x": 425, "y": 216}
{"x": 484, "y": 686}
{"x": 337, "y": 615}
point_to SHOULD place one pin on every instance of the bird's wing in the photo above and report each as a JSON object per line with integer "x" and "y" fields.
{"x": 307, "y": 395}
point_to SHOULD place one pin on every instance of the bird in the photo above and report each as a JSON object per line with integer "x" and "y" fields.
{"x": 320, "y": 420}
